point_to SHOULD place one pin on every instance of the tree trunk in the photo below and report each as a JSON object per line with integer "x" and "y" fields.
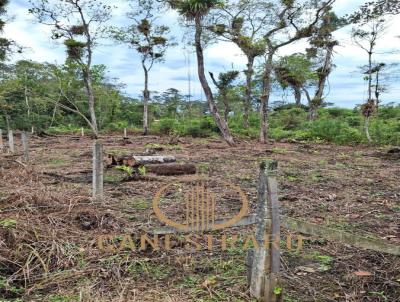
{"x": 8, "y": 122}
{"x": 264, "y": 123}
{"x": 222, "y": 125}
{"x": 377, "y": 93}
{"x": 53, "y": 117}
{"x": 87, "y": 73}
{"x": 137, "y": 160}
{"x": 323, "y": 77}
{"x": 146, "y": 98}
{"x": 297, "y": 96}
{"x": 28, "y": 107}
{"x": 226, "y": 106}
{"x": 247, "y": 103}
{"x": 370, "y": 73}
{"x": 307, "y": 96}
{"x": 89, "y": 90}
{"x": 171, "y": 169}
{"x": 366, "y": 128}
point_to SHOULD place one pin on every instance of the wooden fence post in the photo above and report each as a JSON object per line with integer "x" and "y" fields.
{"x": 125, "y": 133}
{"x": 25, "y": 146}
{"x": 258, "y": 263}
{"x": 11, "y": 141}
{"x": 273, "y": 289}
{"x": 1, "y": 141}
{"x": 265, "y": 260}
{"x": 97, "y": 170}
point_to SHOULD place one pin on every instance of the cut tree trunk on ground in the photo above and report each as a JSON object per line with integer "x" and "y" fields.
{"x": 135, "y": 161}
{"x": 171, "y": 169}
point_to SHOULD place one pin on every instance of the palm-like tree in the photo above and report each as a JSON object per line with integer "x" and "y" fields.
{"x": 196, "y": 10}
{"x": 192, "y": 9}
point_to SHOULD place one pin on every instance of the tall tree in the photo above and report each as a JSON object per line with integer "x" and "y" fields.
{"x": 149, "y": 39}
{"x": 79, "y": 24}
{"x": 375, "y": 9}
{"x": 242, "y": 22}
{"x": 295, "y": 71}
{"x": 290, "y": 17}
{"x": 322, "y": 47}
{"x": 224, "y": 83}
{"x": 196, "y": 10}
{"x": 366, "y": 37}
{"x": 7, "y": 48}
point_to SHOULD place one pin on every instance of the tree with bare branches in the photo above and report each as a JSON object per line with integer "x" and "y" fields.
{"x": 224, "y": 83}
{"x": 149, "y": 39}
{"x": 79, "y": 24}
{"x": 366, "y": 37}
{"x": 243, "y": 22}
{"x": 289, "y": 23}
{"x": 195, "y": 11}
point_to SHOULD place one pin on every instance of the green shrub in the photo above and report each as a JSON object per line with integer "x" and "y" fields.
{"x": 385, "y": 132}
{"x": 338, "y": 112}
{"x": 196, "y": 130}
{"x": 354, "y": 121}
{"x": 208, "y": 123}
{"x": 117, "y": 126}
{"x": 288, "y": 119}
{"x": 65, "y": 129}
{"x": 251, "y": 132}
{"x": 335, "y": 131}
{"x": 254, "y": 120}
{"x": 167, "y": 125}
{"x": 279, "y": 133}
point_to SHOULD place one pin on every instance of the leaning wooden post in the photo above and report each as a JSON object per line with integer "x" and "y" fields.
{"x": 11, "y": 141}
{"x": 264, "y": 261}
{"x": 97, "y": 170}
{"x": 25, "y": 146}
{"x": 259, "y": 255}
{"x": 1, "y": 141}
{"x": 273, "y": 288}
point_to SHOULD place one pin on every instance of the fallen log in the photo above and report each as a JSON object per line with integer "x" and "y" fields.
{"x": 171, "y": 169}
{"x": 135, "y": 160}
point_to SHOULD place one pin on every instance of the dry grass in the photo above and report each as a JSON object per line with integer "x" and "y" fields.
{"x": 49, "y": 225}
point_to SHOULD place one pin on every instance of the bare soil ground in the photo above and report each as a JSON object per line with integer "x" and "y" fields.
{"x": 49, "y": 224}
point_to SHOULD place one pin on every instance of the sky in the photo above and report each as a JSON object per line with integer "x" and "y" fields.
{"x": 346, "y": 85}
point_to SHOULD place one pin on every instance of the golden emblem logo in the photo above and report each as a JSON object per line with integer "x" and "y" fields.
{"x": 196, "y": 205}
{"x": 199, "y": 205}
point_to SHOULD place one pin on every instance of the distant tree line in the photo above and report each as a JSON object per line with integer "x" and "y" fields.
{"x": 41, "y": 95}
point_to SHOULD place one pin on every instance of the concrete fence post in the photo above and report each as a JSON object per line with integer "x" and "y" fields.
{"x": 11, "y": 141}
{"x": 25, "y": 145}
{"x": 1, "y": 141}
{"x": 97, "y": 170}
